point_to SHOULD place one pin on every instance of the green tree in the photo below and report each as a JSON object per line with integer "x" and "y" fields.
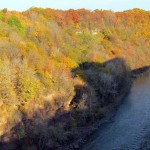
{"x": 16, "y": 23}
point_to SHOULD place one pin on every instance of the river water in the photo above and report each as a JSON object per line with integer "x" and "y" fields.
{"x": 130, "y": 124}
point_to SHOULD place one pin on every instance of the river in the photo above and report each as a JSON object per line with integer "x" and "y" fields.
{"x": 130, "y": 124}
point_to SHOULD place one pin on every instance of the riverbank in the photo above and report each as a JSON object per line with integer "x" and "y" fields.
{"x": 91, "y": 130}
{"x": 131, "y": 120}
{"x": 111, "y": 85}
{"x": 87, "y": 132}
{"x": 98, "y": 88}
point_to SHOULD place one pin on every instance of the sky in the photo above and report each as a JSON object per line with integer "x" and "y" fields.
{"x": 115, "y": 5}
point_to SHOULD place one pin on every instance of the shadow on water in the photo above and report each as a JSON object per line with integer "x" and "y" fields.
{"x": 103, "y": 82}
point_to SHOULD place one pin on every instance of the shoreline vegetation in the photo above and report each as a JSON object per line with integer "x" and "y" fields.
{"x": 137, "y": 73}
{"x": 80, "y": 135}
{"x": 62, "y": 71}
{"x": 111, "y": 108}
{"x": 106, "y": 85}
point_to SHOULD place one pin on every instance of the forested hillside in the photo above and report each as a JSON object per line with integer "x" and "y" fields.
{"x": 55, "y": 63}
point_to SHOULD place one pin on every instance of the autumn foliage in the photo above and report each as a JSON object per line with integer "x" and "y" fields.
{"x": 39, "y": 48}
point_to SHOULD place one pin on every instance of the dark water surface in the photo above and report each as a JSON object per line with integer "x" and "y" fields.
{"x": 130, "y": 124}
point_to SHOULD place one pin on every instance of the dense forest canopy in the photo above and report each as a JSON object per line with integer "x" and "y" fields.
{"x": 39, "y": 50}
{"x": 97, "y": 35}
